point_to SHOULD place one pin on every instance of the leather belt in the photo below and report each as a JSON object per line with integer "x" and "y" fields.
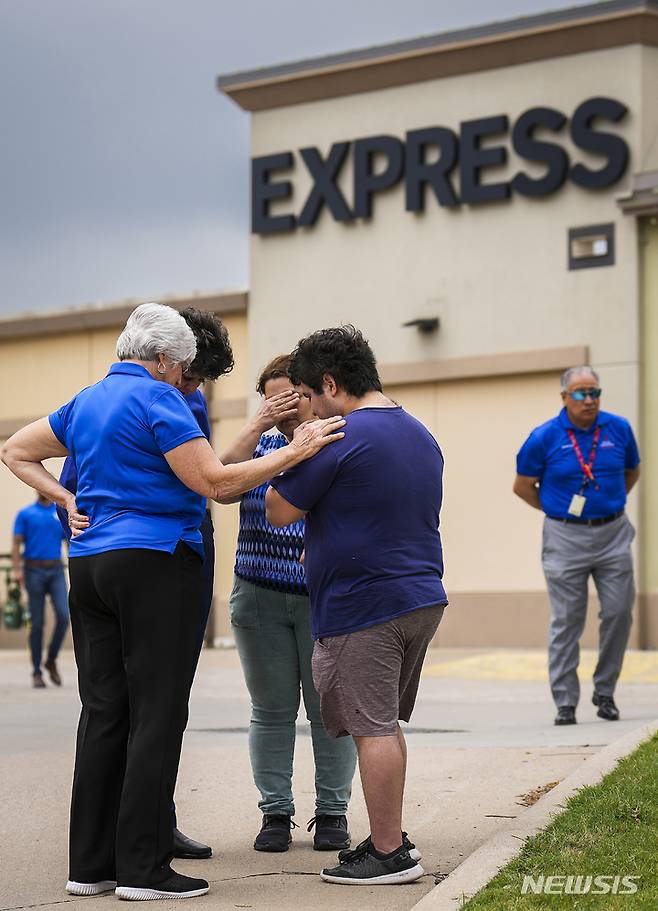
{"x": 572, "y": 520}
{"x": 42, "y": 563}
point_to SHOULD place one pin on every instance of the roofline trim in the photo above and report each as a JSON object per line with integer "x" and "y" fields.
{"x": 113, "y": 315}
{"x": 244, "y": 87}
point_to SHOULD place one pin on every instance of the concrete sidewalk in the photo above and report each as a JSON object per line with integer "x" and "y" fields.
{"x": 482, "y": 735}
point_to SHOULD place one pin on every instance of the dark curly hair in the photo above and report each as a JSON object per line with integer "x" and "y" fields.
{"x": 343, "y": 353}
{"x": 214, "y": 356}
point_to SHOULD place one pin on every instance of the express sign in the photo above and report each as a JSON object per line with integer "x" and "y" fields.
{"x": 431, "y": 159}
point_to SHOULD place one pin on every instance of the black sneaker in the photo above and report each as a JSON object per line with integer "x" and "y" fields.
{"x": 331, "y": 832}
{"x": 414, "y": 853}
{"x": 175, "y": 886}
{"x": 275, "y": 834}
{"x": 368, "y": 870}
{"x": 607, "y": 707}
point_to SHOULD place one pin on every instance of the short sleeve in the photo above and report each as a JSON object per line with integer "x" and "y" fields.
{"x": 531, "y": 459}
{"x": 19, "y": 524}
{"x": 306, "y": 483}
{"x": 171, "y": 420}
{"x": 60, "y": 422}
{"x": 632, "y": 453}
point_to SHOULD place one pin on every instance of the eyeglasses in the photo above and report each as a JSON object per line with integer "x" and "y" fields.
{"x": 579, "y": 395}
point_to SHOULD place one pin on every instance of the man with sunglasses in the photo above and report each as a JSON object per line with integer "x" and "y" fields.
{"x": 578, "y": 468}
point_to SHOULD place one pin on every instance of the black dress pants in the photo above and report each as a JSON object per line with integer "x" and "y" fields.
{"x": 135, "y": 619}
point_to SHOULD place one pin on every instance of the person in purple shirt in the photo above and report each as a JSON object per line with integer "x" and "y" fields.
{"x": 374, "y": 569}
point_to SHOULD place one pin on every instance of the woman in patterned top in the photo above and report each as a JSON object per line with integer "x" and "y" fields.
{"x": 269, "y": 609}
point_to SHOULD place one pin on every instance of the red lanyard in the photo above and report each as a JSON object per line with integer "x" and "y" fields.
{"x": 586, "y": 467}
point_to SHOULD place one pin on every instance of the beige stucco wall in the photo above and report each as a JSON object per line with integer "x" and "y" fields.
{"x": 495, "y": 274}
{"x": 37, "y": 375}
{"x": 649, "y": 436}
{"x": 647, "y": 158}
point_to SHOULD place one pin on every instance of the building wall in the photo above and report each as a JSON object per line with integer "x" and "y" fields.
{"x": 496, "y": 275}
{"x": 649, "y": 436}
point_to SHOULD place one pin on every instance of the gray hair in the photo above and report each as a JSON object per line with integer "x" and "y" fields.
{"x": 569, "y": 374}
{"x": 154, "y": 329}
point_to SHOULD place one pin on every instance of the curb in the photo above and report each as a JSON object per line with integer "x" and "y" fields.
{"x": 478, "y": 869}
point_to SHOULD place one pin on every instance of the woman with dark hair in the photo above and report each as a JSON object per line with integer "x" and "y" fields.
{"x": 270, "y": 617}
{"x": 144, "y": 471}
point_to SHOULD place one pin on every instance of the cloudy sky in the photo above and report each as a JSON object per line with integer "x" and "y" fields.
{"x": 123, "y": 172}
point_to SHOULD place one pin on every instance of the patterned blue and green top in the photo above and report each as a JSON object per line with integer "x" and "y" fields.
{"x": 269, "y": 556}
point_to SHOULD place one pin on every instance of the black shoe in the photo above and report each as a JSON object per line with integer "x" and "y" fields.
{"x": 369, "y": 870}
{"x": 331, "y": 832}
{"x": 175, "y": 886}
{"x": 414, "y": 853}
{"x": 566, "y": 714}
{"x": 275, "y": 833}
{"x": 189, "y": 849}
{"x": 607, "y": 707}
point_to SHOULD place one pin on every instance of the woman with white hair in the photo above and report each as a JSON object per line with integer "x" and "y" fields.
{"x": 144, "y": 471}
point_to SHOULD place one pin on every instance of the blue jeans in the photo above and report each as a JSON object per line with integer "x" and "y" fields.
{"x": 273, "y": 637}
{"x": 39, "y": 582}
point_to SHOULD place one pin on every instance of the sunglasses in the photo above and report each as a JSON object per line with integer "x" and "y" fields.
{"x": 579, "y": 395}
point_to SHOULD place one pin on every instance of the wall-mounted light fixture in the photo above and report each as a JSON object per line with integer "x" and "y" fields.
{"x": 425, "y": 325}
{"x": 592, "y": 246}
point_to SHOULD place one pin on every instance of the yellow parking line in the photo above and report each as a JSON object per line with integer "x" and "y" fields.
{"x": 639, "y": 667}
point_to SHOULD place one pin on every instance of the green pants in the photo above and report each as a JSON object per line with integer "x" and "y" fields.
{"x": 272, "y": 633}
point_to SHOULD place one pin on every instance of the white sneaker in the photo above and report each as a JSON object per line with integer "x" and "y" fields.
{"x": 105, "y": 885}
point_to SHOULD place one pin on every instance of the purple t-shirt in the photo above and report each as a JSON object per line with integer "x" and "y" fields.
{"x": 373, "y": 548}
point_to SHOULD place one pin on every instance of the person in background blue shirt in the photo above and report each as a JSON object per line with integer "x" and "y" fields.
{"x": 37, "y": 531}
{"x": 578, "y": 468}
{"x": 135, "y": 565}
{"x": 374, "y": 569}
{"x": 214, "y": 358}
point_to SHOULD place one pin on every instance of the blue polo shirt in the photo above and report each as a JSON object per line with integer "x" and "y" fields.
{"x": 41, "y": 532}
{"x": 373, "y": 549}
{"x": 69, "y": 476}
{"x": 548, "y": 454}
{"x": 199, "y": 408}
{"x": 117, "y": 433}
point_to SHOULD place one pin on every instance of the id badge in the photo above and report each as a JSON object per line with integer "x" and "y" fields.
{"x": 577, "y": 505}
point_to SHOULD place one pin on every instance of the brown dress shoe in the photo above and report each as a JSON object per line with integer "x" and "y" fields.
{"x": 53, "y": 673}
{"x": 37, "y": 681}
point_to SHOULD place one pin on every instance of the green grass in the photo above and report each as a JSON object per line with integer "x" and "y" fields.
{"x": 610, "y": 829}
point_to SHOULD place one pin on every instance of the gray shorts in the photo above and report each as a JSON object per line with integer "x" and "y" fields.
{"x": 368, "y": 680}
